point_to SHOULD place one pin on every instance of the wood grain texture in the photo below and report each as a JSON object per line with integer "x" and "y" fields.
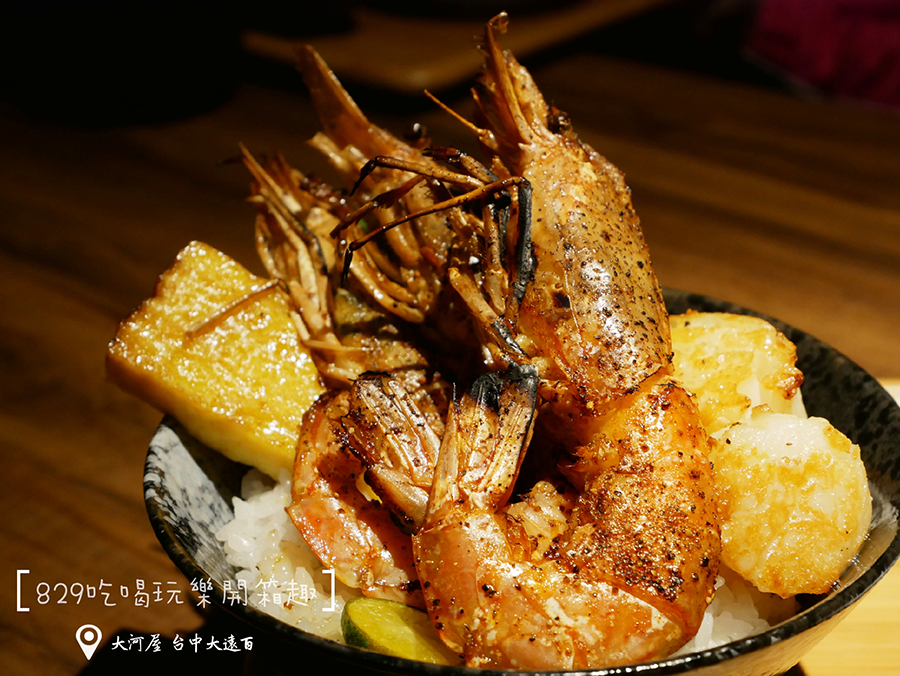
{"x": 409, "y": 53}
{"x": 790, "y": 207}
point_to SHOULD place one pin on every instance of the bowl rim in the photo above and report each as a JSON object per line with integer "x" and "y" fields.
{"x": 827, "y": 607}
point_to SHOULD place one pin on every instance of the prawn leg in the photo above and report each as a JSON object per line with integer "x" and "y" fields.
{"x": 404, "y": 276}
{"x": 483, "y": 186}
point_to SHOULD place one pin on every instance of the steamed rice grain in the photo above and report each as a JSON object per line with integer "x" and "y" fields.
{"x": 282, "y": 576}
{"x": 286, "y": 580}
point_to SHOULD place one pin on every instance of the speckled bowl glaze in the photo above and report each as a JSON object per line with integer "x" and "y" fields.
{"x": 188, "y": 490}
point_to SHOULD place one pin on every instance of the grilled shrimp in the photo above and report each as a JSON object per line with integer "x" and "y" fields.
{"x": 351, "y": 341}
{"x": 634, "y": 567}
{"x": 348, "y": 531}
{"x": 333, "y": 504}
{"x": 629, "y": 571}
{"x": 608, "y": 573}
{"x": 402, "y": 272}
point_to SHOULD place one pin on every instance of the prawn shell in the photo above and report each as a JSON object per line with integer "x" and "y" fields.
{"x": 649, "y": 526}
{"x": 349, "y": 533}
{"x": 594, "y": 308}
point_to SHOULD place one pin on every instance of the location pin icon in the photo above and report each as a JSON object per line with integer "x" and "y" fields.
{"x": 88, "y": 637}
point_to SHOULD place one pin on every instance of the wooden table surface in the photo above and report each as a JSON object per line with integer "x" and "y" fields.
{"x": 787, "y": 206}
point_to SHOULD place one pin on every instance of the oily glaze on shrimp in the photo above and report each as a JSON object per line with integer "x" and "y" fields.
{"x": 632, "y": 573}
{"x": 348, "y": 532}
{"x": 348, "y": 336}
{"x": 629, "y": 571}
{"x": 594, "y": 310}
{"x": 607, "y": 574}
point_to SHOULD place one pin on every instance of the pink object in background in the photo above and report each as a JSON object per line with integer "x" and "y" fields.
{"x": 843, "y": 48}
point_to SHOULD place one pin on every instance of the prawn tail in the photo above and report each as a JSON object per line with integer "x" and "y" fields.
{"x": 487, "y": 432}
{"x": 484, "y": 443}
{"x": 396, "y": 441}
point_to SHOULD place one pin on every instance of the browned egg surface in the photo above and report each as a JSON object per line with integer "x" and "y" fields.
{"x": 221, "y": 357}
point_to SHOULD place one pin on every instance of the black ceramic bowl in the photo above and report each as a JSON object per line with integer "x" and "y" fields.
{"x": 188, "y": 490}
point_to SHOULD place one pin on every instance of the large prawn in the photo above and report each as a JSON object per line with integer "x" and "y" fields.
{"x": 615, "y": 571}
{"x": 626, "y": 573}
{"x": 361, "y": 333}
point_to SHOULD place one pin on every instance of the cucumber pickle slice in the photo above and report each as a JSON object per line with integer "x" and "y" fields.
{"x": 393, "y": 628}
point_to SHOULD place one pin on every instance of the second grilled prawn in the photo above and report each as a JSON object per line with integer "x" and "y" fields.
{"x": 635, "y": 565}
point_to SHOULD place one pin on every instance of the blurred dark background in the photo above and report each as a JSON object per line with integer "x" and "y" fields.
{"x": 101, "y": 62}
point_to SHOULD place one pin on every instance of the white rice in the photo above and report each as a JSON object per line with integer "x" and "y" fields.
{"x": 737, "y": 611}
{"x": 280, "y": 573}
{"x": 286, "y": 580}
